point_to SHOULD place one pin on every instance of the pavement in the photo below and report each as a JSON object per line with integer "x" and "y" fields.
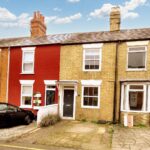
{"x": 16, "y": 131}
{"x": 135, "y": 138}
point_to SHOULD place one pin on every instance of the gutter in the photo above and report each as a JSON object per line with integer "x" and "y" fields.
{"x": 115, "y": 84}
{"x": 8, "y": 73}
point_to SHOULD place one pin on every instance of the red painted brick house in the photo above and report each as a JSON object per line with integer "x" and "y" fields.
{"x": 33, "y": 71}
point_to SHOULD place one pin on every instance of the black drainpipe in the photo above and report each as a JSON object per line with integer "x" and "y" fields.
{"x": 115, "y": 84}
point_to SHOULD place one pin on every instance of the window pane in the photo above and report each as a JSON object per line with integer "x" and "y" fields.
{"x": 26, "y": 100}
{"x": 50, "y": 97}
{"x": 28, "y": 67}
{"x": 86, "y": 89}
{"x": 27, "y": 90}
{"x": 137, "y": 49}
{"x": 136, "y": 60}
{"x": 135, "y": 100}
{"x": 28, "y": 56}
{"x": 136, "y": 86}
{"x": 90, "y": 101}
{"x": 86, "y": 101}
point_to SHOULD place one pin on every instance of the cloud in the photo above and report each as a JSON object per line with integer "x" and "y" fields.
{"x": 73, "y": 1}
{"x": 127, "y": 9}
{"x": 56, "y": 9}
{"x": 68, "y": 19}
{"x": 8, "y": 19}
{"x": 6, "y": 15}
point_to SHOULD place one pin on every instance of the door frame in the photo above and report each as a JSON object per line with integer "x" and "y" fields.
{"x": 62, "y": 103}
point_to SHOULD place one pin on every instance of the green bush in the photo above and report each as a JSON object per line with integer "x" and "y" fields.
{"x": 49, "y": 120}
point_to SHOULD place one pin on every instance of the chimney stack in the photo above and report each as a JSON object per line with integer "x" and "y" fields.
{"x": 115, "y": 19}
{"x": 37, "y": 25}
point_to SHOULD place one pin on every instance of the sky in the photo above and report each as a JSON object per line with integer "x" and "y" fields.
{"x": 70, "y": 16}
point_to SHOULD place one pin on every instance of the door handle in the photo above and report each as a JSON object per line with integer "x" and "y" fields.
{"x": 68, "y": 105}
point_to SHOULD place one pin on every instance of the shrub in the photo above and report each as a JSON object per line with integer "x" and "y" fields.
{"x": 49, "y": 120}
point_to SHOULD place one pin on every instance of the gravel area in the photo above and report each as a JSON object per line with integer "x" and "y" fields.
{"x": 8, "y": 133}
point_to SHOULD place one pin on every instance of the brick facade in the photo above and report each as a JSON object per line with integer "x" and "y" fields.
{"x": 71, "y": 62}
{"x": 3, "y": 74}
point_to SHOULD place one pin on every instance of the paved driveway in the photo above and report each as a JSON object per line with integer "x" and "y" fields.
{"x": 13, "y": 132}
{"x": 71, "y": 134}
{"x": 131, "y": 138}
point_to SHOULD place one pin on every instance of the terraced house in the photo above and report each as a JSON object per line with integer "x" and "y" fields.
{"x": 95, "y": 75}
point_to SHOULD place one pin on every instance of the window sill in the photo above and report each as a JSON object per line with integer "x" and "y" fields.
{"x": 92, "y": 70}
{"x": 91, "y": 107}
{"x": 133, "y": 111}
{"x": 27, "y": 73}
{"x": 24, "y": 106}
{"x": 136, "y": 70}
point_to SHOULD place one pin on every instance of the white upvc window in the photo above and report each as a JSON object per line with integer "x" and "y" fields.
{"x": 26, "y": 93}
{"x": 92, "y": 57}
{"x": 137, "y": 55}
{"x": 28, "y": 60}
{"x": 135, "y": 97}
{"x": 50, "y": 91}
{"x": 90, "y": 94}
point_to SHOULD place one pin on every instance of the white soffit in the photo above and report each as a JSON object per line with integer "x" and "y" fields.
{"x": 50, "y": 82}
{"x": 138, "y": 43}
{"x": 26, "y": 82}
{"x": 91, "y": 82}
{"x": 98, "y": 45}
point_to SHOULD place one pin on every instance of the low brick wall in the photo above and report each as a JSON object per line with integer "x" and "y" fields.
{"x": 138, "y": 118}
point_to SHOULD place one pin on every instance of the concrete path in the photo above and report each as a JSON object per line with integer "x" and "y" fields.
{"x": 13, "y": 132}
{"x": 131, "y": 138}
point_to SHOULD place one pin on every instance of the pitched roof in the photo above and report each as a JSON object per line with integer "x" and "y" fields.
{"x": 78, "y": 38}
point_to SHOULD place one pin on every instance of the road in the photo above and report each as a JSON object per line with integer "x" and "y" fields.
{"x": 15, "y": 146}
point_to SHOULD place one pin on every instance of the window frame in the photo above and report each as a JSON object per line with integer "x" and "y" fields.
{"x": 49, "y": 83}
{"x": 97, "y": 47}
{"x": 146, "y": 97}
{"x": 30, "y": 50}
{"x": 135, "y": 51}
{"x": 26, "y": 83}
{"x": 82, "y": 100}
{"x": 49, "y": 89}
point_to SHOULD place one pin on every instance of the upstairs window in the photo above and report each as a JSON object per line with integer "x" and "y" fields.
{"x": 137, "y": 57}
{"x": 92, "y": 57}
{"x": 28, "y": 60}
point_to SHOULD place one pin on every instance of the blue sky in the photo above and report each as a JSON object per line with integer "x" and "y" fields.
{"x": 65, "y": 16}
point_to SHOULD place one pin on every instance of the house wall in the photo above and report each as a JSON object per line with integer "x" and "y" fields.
{"x": 123, "y": 74}
{"x": 46, "y": 67}
{"x": 71, "y": 62}
{"x": 3, "y": 74}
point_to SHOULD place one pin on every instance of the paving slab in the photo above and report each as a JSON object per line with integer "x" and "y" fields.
{"x": 135, "y": 138}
